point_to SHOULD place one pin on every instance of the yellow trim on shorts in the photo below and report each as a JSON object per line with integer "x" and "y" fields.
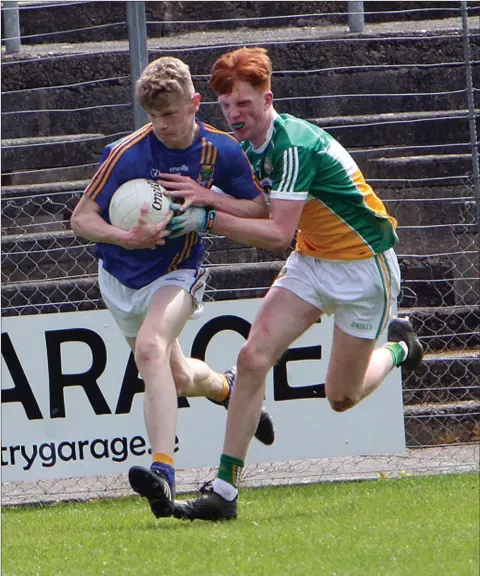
{"x": 385, "y": 276}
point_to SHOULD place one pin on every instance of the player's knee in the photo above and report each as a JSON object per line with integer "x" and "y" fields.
{"x": 149, "y": 349}
{"x": 252, "y": 360}
{"x": 342, "y": 403}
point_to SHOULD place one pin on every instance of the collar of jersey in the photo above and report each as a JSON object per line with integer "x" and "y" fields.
{"x": 263, "y": 147}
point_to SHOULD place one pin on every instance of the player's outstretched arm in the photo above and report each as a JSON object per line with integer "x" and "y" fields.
{"x": 195, "y": 194}
{"x": 275, "y": 233}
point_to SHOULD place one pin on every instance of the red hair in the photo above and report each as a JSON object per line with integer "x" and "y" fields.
{"x": 250, "y": 65}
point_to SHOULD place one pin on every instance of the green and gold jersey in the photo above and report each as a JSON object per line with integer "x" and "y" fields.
{"x": 342, "y": 218}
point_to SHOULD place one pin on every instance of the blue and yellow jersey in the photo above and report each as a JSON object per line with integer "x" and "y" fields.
{"x": 214, "y": 159}
{"x": 343, "y": 218}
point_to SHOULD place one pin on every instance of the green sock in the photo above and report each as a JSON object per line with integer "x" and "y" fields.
{"x": 397, "y": 351}
{"x": 230, "y": 469}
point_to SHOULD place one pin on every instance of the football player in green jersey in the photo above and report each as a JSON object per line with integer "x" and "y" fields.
{"x": 343, "y": 263}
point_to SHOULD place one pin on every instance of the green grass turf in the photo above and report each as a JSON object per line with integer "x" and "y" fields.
{"x": 409, "y": 526}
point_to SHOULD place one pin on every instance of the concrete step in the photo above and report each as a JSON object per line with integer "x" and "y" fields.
{"x": 29, "y": 205}
{"x": 27, "y": 272}
{"x": 39, "y": 208}
{"x": 60, "y": 254}
{"x": 52, "y": 65}
{"x": 21, "y": 156}
{"x": 97, "y": 21}
{"x": 107, "y": 119}
{"x": 435, "y": 424}
{"x": 49, "y": 176}
{"x": 443, "y": 378}
{"x": 444, "y": 329}
{"x": 437, "y": 241}
{"x": 49, "y": 152}
{"x": 401, "y": 129}
{"x": 39, "y": 190}
{"x": 105, "y": 106}
{"x": 421, "y": 167}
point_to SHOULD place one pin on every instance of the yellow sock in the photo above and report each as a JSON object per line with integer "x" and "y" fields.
{"x": 162, "y": 458}
{"x": 225, "y": 391}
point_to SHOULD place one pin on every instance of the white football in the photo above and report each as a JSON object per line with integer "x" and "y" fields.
{"x": 125, "y": 204}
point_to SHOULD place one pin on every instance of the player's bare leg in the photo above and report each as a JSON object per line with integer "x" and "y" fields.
{"x": 357, "y": 368}
{"x": 169, "y": 310}
{"x": 194, "y": 377}
{"x": 271, "y": 333}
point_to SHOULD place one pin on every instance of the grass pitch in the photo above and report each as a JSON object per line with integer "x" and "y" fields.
{"x": 410, "y": 526}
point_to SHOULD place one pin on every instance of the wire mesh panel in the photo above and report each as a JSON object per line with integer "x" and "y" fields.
{"x": 395, "y": 96}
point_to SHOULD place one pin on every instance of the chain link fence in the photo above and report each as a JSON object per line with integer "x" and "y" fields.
{"x": 395, "y": 96}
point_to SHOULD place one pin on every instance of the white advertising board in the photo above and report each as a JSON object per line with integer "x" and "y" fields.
{"x": 72, "y": 403}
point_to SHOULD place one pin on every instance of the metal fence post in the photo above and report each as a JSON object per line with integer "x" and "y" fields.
{"x": 356, "y": 16}
{"x": 11, "y": 26}
{"x": 137, "y": 40}
{"x": 471, "y": 111}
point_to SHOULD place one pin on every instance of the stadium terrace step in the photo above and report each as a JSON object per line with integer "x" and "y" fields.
{"x": 53, "y": 65}
{"x": 106, "y": 119}
{"x": 239, "y": 272}
{"x": 443, "y": 378}
{"x": 97, "y": 21}
{"x": 60, "y": 175}
{"x": 437, "y": 240}
{"x": 425, "y": 128}
{"x": 106, "y": 106}
{"x": 95, "y": 93}
{"x": 40, "y": 256}
{"x": 422, "y": 167}
{"x": 444, "y": 329}
{"x": 366, "y": 159}
{"x": 59, "y": 254}
{"x": 69, "y": 294}
{"x": 30, "y": 204}
{"x": 449, "y": 423}
{"x": 50, "y": 151}
{"x": 37, "y": 208}
{"x": 34, "y": 190}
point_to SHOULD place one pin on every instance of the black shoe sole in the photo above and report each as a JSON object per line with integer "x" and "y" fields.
{"x": 190, "y": 510}
{"x": 147, "y": 484}
{"x": 265, "y": 432}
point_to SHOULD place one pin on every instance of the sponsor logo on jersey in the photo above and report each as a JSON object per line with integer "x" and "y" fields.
{"x": 156, "y": 173}
{"x": 182, "y": 168}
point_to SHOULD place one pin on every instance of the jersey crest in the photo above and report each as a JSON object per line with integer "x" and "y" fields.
{"x": 205, "y": 176}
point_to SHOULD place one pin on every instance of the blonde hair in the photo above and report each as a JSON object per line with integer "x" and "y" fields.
{"x": 250, "y": 65}
{"x": 163, "y": 79}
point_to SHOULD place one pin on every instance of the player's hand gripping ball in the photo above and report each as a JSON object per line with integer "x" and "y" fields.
{"x": 125, "y": 204}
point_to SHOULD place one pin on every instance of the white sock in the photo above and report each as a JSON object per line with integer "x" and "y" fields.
{"x": 224, "y": 489}
{"x": 404, "y": 347}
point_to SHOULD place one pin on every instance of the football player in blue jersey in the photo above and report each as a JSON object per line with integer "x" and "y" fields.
{"x": 152, "y": 283}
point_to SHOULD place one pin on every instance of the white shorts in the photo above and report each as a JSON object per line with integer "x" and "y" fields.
{"x": 129, "y": 307}
{"x": 358, "y": 292}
